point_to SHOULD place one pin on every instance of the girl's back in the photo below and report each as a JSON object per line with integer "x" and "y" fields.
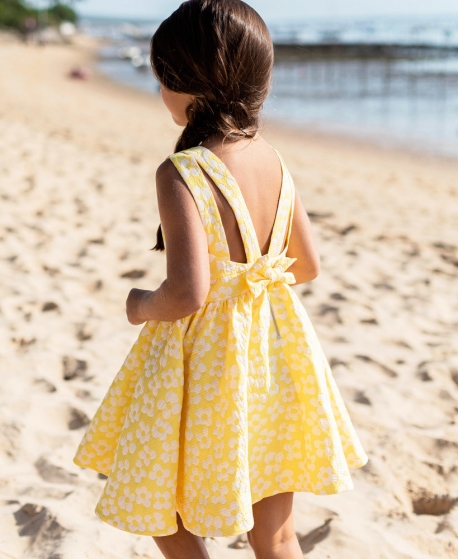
{"x": 257, "y": 170}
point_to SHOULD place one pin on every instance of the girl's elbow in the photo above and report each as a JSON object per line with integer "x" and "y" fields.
{"x": 308, "y": 274}
{"x": 314, "y": 271}
{"x": 191, "y": 301}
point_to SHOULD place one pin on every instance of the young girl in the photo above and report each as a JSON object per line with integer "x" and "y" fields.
{"x": 225, "y": 405}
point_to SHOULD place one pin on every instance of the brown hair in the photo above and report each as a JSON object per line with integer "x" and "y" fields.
{"x": 221, "y": 52}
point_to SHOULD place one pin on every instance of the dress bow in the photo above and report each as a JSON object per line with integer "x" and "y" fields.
{"x": 267, "y": 270}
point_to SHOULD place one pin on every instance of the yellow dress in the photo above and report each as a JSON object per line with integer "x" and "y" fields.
{"x": 213, "y": 412}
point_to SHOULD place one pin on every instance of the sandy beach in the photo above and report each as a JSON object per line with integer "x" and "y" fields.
{"x": 79, "y": 215}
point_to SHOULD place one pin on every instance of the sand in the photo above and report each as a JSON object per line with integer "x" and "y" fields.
{"x": 78, "y": 212}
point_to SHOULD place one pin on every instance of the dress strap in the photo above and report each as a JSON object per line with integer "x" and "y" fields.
{"x": 281, "y": 232}
{"x": 186, "y": 164}
{"x": 224, "y": 180}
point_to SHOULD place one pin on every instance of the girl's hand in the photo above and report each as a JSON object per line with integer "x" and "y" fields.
{"x": 136, "y": 306}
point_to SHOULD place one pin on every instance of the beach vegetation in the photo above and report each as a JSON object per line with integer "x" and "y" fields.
{"x": 19, "y": 15}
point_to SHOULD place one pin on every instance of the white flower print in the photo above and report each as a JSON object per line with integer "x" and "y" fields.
{"x": 111, "y": 487}
{"x": 204, "y": 417}
{"x": 224, "y": 471}
{"x": 196, "y": 476}
{"x": 327, "y": 476}
{"x": 161, "y": 430}
{"x": 143, "y": 496}
{"x": 116, "y": 523}
{"x": 261, "y": 486}
{"x": 108, "y": 507}
{"x": 201, "y": 347}
{"x": 108, "y": 413}
{"x": 293, "y": 451}
{"x": 149, "y": 405}
{"x": 138, "y": 473}
{"x": 136, "y": 524}
{"x": 132, "y": 362}
{"x": 155, "y": 522}
{"x": 127, "y": 444}
{"x": 213, "y": 521}
{"x": 212, "y": 390}
{"x": 134, "y": 412}
{"x": 288, "y": 393}
{"x": 203, "y": 438}
{"x": 170, "y": 378}
{"x": 170, "y": 406}
{"x": 231, "y": 513}
{"x": 125, "y": 501}
{"x": 101, "y": 447}
{"x": 293, "y": 413}
{"x": 285, "y": 479}
{"x": 286, "y": 431}
{"x": 173, "y": 347}
{"x": 323, "y": 447}
{"x": 170, "y": 453}
{"x": 159, "y": 474}
{"x": 198, "y": 369}
{"x": 267, "y": 436}
{"x": 123, "y": 473}
{"x": 218, "y": 450}
{"x": 147, "y": 454}
{"x": 258, "y": 453}
{"x": 162, "y": 500}
{"x": 143, "y": 432}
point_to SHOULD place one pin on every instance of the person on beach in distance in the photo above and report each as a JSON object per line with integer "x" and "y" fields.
{"x": 226, "y": 405}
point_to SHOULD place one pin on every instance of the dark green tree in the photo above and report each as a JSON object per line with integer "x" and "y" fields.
{"x": 62, "y": 11}
{"x": 15, "y": 13}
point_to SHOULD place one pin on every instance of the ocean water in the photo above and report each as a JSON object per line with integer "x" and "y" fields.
{"x": 406, "y": 97}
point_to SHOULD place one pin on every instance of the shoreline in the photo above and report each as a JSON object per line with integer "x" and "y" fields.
{"x": 308, "y": 131}
{"x": 78, "y": 163}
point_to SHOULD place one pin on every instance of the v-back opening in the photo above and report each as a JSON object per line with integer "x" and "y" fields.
{"x": 240, "y": 196}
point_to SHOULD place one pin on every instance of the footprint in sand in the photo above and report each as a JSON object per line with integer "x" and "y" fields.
{"x": 387, "y": 370}
{"x": 83, "y": 333}
{"x": 134, "y": 274}
{"x": 77, "y": 419}
{"x": 96, "y": 286}
{"x": 53, "y": 474}
{"x": 41, "y": 527}
{"x": 50, "y": 306}
{"x": 44, "y": 385}
{"x": 331, "y": 313}
{"x": 425, "y": 502}
{"x": 361, "y": 398}
{"x": 454, "y": 375}
{"x": 310, "y": 540}
{"x": 348, "y": 229}
{"x": 73, "y": 368}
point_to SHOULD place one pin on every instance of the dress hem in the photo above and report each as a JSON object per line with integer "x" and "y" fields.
{"x": 211, "y": 533}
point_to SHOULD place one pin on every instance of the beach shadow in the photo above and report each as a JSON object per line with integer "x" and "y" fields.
{"x": 316, "y": 536}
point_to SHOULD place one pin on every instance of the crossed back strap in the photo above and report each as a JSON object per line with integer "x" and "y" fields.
{"x": 190, "y": 164}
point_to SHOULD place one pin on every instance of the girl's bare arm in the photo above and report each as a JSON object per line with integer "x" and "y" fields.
{"x": 188, "y": 273}
{"x": 303, "y": 246}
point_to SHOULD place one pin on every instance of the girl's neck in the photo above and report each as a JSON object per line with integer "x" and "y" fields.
{"x": 216, "y": 142}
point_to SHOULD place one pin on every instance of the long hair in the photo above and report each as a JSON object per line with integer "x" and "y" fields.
{"x": 220, "y": 52}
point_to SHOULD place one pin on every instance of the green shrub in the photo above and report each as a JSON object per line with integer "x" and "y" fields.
{"x": 14, "y": 13}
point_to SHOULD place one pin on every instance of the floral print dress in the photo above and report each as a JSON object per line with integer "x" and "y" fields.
{"x": 213, "y": 412}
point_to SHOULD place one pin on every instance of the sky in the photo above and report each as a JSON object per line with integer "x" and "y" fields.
{"x": 272, "y": 10}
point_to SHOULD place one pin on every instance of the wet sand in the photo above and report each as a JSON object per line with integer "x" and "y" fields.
{"x": 79, "y": 215}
